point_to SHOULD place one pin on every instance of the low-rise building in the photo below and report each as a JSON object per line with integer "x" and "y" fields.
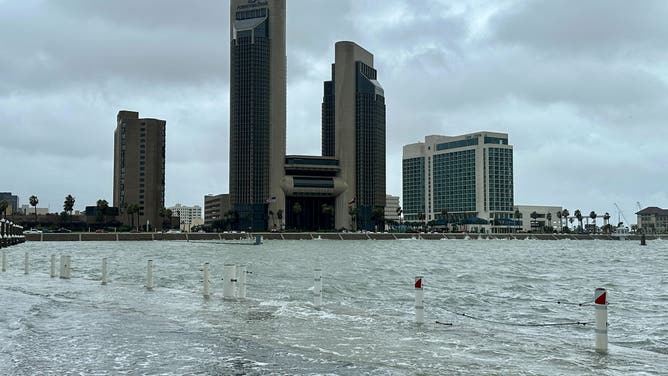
{"x": 391, "y": 207}
{"x": 537, "y": 218}
{"x": 652, "y": 220}
{"x": 27, "y": 209}
{"x": 188, "y": 215}
{"x": 215, "y": 207}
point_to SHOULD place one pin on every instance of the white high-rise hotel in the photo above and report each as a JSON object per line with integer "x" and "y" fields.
{"x": 462, "y": 179}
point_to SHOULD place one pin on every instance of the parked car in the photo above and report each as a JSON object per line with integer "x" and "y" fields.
{"x": 32, "y": 231}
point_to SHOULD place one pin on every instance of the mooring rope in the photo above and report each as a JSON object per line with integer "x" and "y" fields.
{"x": 483, "y": 295}
{"x": 530, "y": 299}
{"x": 518, "y": 324}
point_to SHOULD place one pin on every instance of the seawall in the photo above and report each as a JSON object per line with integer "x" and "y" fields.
{"x": 126, "y": 236}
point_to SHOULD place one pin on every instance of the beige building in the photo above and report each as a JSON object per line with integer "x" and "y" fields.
{"x": 546, "y": 216}
{"x": 215, "y": 207}
{"x": 189, "y": 216}
{"x": 391, "y": 206}
{"x": 139, "y": 167}
{"x": 28, "y": 210}
{"x": 358, "y": 102}
{"x": 653, "y": 220}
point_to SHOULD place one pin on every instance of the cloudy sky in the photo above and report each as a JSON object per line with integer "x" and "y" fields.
{"x": 580, "y": 87}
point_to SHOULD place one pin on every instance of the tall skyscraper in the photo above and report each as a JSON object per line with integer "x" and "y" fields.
{"x": 139, "y": 167}
{"x": 468, "y": 178}
{"x": 354, "y": 124}
{"x": 257, "y": 109}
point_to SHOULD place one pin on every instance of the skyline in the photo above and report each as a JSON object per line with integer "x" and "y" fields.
{"x": 580, "y": 101}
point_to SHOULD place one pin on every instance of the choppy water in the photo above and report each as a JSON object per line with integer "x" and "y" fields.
{"x": 366, "y": 324}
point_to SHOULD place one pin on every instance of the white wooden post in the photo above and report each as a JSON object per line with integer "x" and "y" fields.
{"x": 601, "y": 306}
{"x": 229, "y": 281}
{"x": 207, "y": 281}
{"x": 104, "y": 271}
{"x": 241, "y": 278}
{"x": 64, "y": 267}
{"x": 149, "y": 275}
{"x": 53, "y": 266}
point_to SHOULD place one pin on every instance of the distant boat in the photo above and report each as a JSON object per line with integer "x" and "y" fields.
{"x": 621, "y": 233}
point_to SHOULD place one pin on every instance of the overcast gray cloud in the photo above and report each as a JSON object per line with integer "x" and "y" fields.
{"x": 581, "y": 89}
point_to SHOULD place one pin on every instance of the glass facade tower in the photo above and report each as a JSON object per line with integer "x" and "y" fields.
{"x": 257, "y": 110}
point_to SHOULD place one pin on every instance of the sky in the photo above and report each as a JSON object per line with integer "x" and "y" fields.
{"x": 581, "y": 88}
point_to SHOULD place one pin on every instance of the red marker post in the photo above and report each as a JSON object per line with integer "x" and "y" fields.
{"x": 419, "y": 300}
{"x": 601, "y": 306}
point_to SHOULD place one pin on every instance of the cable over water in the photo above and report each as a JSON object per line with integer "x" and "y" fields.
{"x": 568, "y": 323}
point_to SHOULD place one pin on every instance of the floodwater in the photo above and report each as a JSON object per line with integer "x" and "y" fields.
{"x": 490, "y": 309}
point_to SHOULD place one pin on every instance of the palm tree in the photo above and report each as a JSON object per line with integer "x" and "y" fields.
{"x": 131, "y": 210}
{"x": 549, "y": 221}
{"x": 68, "y": 205}
{"x": 533, "y": 216}
{"x": 352, "y": 212}
{"x": 296, "y": 211}
{"x": 102, "y": 206}
{"x": 273, "y": 220}
{"x": 161, "y": 214}
{"x": 328, "y": 211}
{"x": 166, "y": 215}
{"x": 399, "y": 212}
{"x": 518, "y": 216}
{"x": 33, "y": 202}
{"x": 3, "y": 207}
{"x": 578, "y": 215}
{"x": 279, "y": 215}
{"x": 593, "y": 216}
{"x": 606, "y": 221}
{"x": 564, "y": 215}
{"x": 377, "y": 217}
{"x": 421, "y": 218}
{"x": 560, "y": 223}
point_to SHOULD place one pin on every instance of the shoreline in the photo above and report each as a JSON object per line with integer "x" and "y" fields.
{"x": 127, "y": 236}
